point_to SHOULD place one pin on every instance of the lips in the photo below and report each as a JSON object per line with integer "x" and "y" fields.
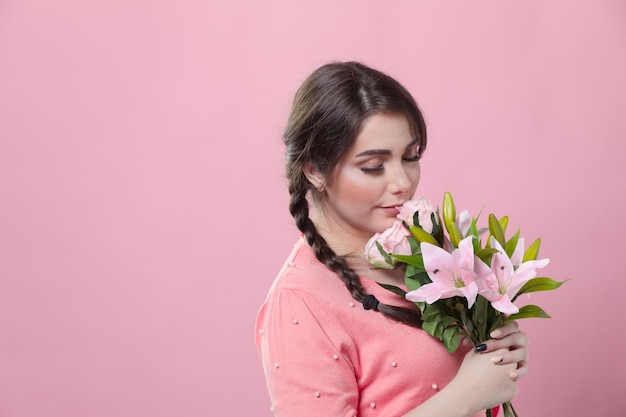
{"x": 392, "y": 210}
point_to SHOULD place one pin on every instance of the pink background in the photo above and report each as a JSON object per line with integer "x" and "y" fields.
{"x": 143, "y": 210}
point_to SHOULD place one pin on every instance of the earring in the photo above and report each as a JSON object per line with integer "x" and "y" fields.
{"x": 321, "y": 189}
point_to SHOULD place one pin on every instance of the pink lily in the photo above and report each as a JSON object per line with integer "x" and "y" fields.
{"x": 500, "y": 283}
{"x": 452, "y": 274}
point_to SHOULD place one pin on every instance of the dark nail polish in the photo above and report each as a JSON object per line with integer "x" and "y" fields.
{"x": 481, "y": 348}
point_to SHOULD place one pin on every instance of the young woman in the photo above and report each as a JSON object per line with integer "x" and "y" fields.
{"x": 332, "y": 341}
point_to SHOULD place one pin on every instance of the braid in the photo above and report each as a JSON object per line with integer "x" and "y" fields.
{"x": 299, "y": 209}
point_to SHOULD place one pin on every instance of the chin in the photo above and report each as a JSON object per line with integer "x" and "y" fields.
{"x": 384, "y": 225}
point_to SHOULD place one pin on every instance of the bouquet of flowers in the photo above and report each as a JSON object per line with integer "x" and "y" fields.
{"x": 464, "y": 279}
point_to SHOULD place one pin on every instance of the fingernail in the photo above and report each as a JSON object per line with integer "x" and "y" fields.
{"x": 496, "y": 333}
{"x": 481, "y": 348}
{"x": 497, "y": 359}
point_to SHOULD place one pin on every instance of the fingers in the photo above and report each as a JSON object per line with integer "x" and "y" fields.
{"x": 520, "y": 372}
{"x": 511, "y": 342}
{"x": 506, "y": 329}
{"x": 480, "y": 380}
{"x": 504, "y": 356}
{"x": 521, "y": 366}
{"x": 516, "y": 340}
{"x": 508, "y": 346}
{"x": 508, "y": 336}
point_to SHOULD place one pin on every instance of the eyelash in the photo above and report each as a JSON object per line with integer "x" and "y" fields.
{"x": 380, "y": 167}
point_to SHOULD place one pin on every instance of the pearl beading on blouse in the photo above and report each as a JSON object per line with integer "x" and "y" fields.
{"x": 335, "y": 356}
{"x": 312, "y": 301}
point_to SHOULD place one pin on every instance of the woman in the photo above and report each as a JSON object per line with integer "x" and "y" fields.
{"x": 353, "y": 144}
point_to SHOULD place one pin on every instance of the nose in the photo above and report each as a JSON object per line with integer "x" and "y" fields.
{"x": 400, "y": 181}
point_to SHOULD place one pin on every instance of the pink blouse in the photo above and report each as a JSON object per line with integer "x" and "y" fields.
{"x": 324, "y": 355}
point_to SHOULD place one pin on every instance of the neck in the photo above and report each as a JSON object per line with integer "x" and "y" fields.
{"x": 343, "y": 242}
{"x": 352, "y": 248}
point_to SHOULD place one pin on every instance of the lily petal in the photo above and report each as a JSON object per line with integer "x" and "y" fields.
{"x": 452, "y": 274}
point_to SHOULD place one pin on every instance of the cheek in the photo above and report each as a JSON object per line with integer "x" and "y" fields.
{"x": 415, "y": 176}
{"x": 358, "y": 186}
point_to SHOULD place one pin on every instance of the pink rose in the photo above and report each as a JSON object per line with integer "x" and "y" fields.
{"x": 393, "y": 241}
{"x": 423, "y": 207}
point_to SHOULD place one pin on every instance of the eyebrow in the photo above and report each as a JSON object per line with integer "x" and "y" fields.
{"x": 384, "y": 151}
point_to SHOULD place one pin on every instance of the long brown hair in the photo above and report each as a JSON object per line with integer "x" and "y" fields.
{"x": 327, "y": 114}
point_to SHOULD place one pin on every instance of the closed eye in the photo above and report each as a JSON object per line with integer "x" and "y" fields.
{"x": 368, "y": 170}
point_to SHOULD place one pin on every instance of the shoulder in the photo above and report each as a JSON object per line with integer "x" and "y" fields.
{"x": 301, "y": 331}
{"x": 306, "y": 292}
{"x": 303, "y": 273}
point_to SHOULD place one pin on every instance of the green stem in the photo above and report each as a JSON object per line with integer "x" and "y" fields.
{"x": 509, "y": 410}
{"x": 467, "y": 335}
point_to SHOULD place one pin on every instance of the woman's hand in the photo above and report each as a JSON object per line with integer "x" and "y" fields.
{"x": 494, "y": 367}
{"x": 515, "y": 344}
{"x": 487, "y": 377}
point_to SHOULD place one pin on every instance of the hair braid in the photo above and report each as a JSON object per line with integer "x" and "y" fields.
{"x": 299, "y": 208}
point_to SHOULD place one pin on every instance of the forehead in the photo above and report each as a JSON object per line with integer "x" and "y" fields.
{"x": 383, "y": 131}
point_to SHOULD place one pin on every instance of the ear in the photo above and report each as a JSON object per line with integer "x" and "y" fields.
{"x": 314, "y": 176}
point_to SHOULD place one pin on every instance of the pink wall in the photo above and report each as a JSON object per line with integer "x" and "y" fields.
{"x": 143, "y": 211}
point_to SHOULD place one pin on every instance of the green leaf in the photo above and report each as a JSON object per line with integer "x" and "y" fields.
{"x": 433, "y": 328}
{"x": 533, "y": 251}
{"x": 385, "y": 255}
{"x": 496, "y": 230}
{"x": 417, "y": 274}
{"x": 449, "y": 321}
{"x": 497, "y": 321}
{"x": 432, "y": 313}
{"x": 437, "y": 229}
{"x": 528, "y": 311}
{"x": 393, "y": 289}
{"x": 415, "y": 245}
{"x": 511, "y": 244}
{"x": 411, "y": 271}
{"x": 473, "y": 229}
{"x": 415, "y": 260}
{"x": 481, "y": 316}
{"x": 412, "y": 284}
{"x": 451, "y": 338}
{"x": 485, "y": 254}
{"x": 466, "y": 321}
{"x": 539, "y": 284}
